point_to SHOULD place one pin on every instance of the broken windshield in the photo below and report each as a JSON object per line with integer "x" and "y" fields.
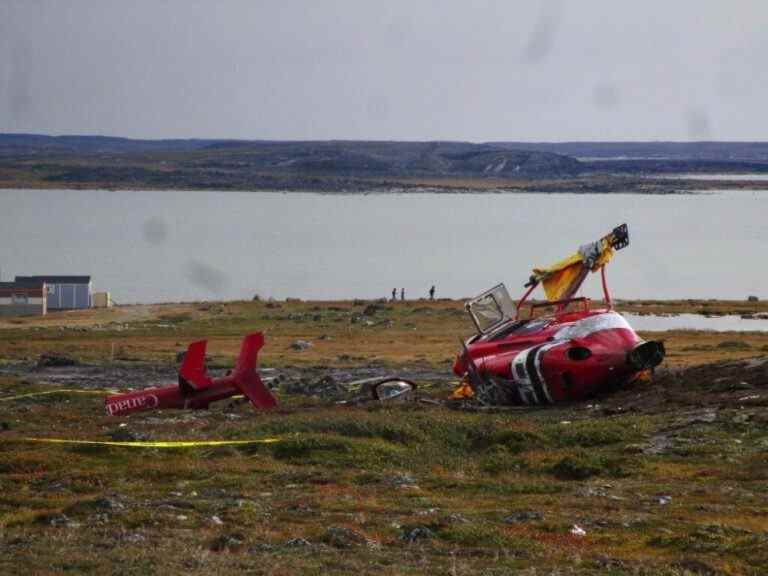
{"x": 492, "y": 308}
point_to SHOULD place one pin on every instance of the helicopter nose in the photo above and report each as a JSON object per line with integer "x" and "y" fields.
{"x": 646, "y": 355}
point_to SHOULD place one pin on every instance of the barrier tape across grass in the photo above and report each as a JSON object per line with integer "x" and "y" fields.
{"x": 62, "y": 391}
{"x": 74, "y": 391}
{"x": 151, "y": 443}
{"x": 127, "y": 443}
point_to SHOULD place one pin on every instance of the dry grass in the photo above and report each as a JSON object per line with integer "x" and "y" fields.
{"x": 341, "y": 333}
{"x": 379, "y": 471}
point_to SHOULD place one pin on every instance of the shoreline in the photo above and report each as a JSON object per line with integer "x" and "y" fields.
{"x": 647, "y": 186}
{"x": 342, "y": 333}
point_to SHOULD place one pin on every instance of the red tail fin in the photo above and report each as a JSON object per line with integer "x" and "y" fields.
{"x": 246, "y": 378}
{"x": 192, "y": 371}
{"x": 251, "y": 385}
{"x": 249, "y": 351}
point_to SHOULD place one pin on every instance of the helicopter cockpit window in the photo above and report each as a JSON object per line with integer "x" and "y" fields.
{"x": 491, "y": 309}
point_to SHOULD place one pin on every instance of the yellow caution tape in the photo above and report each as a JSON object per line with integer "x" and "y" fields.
{"x": 128, "y": 444}
{"x": 151, "y": 443}
{"x": 64, "y": 391}
{"x": 72, "y": 391}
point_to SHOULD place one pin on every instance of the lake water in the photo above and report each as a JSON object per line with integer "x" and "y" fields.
{"x": 747, "y": 177}
{"x": 176, "y": 246}
{"x": 728, "y": 323}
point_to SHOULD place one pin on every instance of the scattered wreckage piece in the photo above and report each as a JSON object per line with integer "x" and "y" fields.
{"x": 387, "y": 390}
{"x": 394, "y": 389}
{"x": 564, "y": 356}
{"x": 196, "y": 389}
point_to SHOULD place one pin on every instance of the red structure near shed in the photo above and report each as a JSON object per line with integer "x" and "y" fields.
{"x": 22, "y": 300}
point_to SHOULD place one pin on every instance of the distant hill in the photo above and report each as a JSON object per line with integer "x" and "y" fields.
{"x": 323, "y": 157}
{"x": 14, "y": 144}
{"x": 395, "y": 158}
{"x": 31, "y": 160}
{"x": 714, "y": 151}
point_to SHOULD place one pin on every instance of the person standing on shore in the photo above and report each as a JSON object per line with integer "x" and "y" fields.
{"x": 394, "y": 294}
{"x": 432, "y": 292}
{"x": 402, "y": 294}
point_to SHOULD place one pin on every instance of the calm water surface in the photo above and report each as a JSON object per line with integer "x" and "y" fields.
{"x": 716, "y": 176}
{"x": 174, "y": 246}
{"x": 729, "y": 323}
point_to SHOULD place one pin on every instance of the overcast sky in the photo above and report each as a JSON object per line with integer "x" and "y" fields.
{"x": 395, "y": 69}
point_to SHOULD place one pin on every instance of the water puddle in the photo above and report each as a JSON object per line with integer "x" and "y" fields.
{"x": 733, "y": 177}
{"x": 731, "y": 323}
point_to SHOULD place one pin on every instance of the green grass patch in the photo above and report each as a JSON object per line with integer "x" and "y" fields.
{"x": 174, "y": 318}
{"x": 597, "y": 432}
{"x": 582, "y": 465}
{"x": 511, "y": 441}
{"x": 734, "y": 345}
{"x": 336, "y": 452}
{"x": 20, "y": 516}
{"x": 474, "y": 535}
{"x": 500, "y": 462}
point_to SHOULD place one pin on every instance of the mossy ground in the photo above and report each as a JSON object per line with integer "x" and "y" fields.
{"x": 341, "y": 332}
{"x": 672, "y": 487}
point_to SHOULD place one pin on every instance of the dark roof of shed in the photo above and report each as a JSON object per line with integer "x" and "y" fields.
{"x": 53, "y": 279}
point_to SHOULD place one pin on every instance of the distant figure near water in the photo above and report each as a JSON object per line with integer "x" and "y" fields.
{"x": 394, "y": 294}
{"x": 402, "y": 294}
{"x": 432, "y": 292}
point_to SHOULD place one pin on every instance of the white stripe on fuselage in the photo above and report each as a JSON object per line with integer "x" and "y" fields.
{"x": 537, "y": 364}
{"x": 522, "y": 378}
{"x": 588, "y": 326}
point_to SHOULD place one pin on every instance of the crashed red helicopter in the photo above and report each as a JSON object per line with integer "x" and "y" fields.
{"x": 566, "y": 355}
{"x": 570, "y": 354}
{"x": 196, "y": 389}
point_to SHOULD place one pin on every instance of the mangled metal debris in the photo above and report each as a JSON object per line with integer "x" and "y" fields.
{"x": 196, "y": 389}
{"x": 394, "y": 389}
{"x": 569, "y": 354}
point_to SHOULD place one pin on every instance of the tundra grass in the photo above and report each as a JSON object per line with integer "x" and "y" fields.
{"x": 425, "y": 489}
{"x": 341, "y": 333}
{"x": 613, "y": 486}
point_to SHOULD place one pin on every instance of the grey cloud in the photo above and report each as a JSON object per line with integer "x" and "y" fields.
{"x": 155, "y": 230}
{"x": 404, "y": 69}
{"x": 542, "y": 35}
{"x": 605, "y": 95}
{"x": 206, "y": 276}
{"x": 698, "y": 124}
